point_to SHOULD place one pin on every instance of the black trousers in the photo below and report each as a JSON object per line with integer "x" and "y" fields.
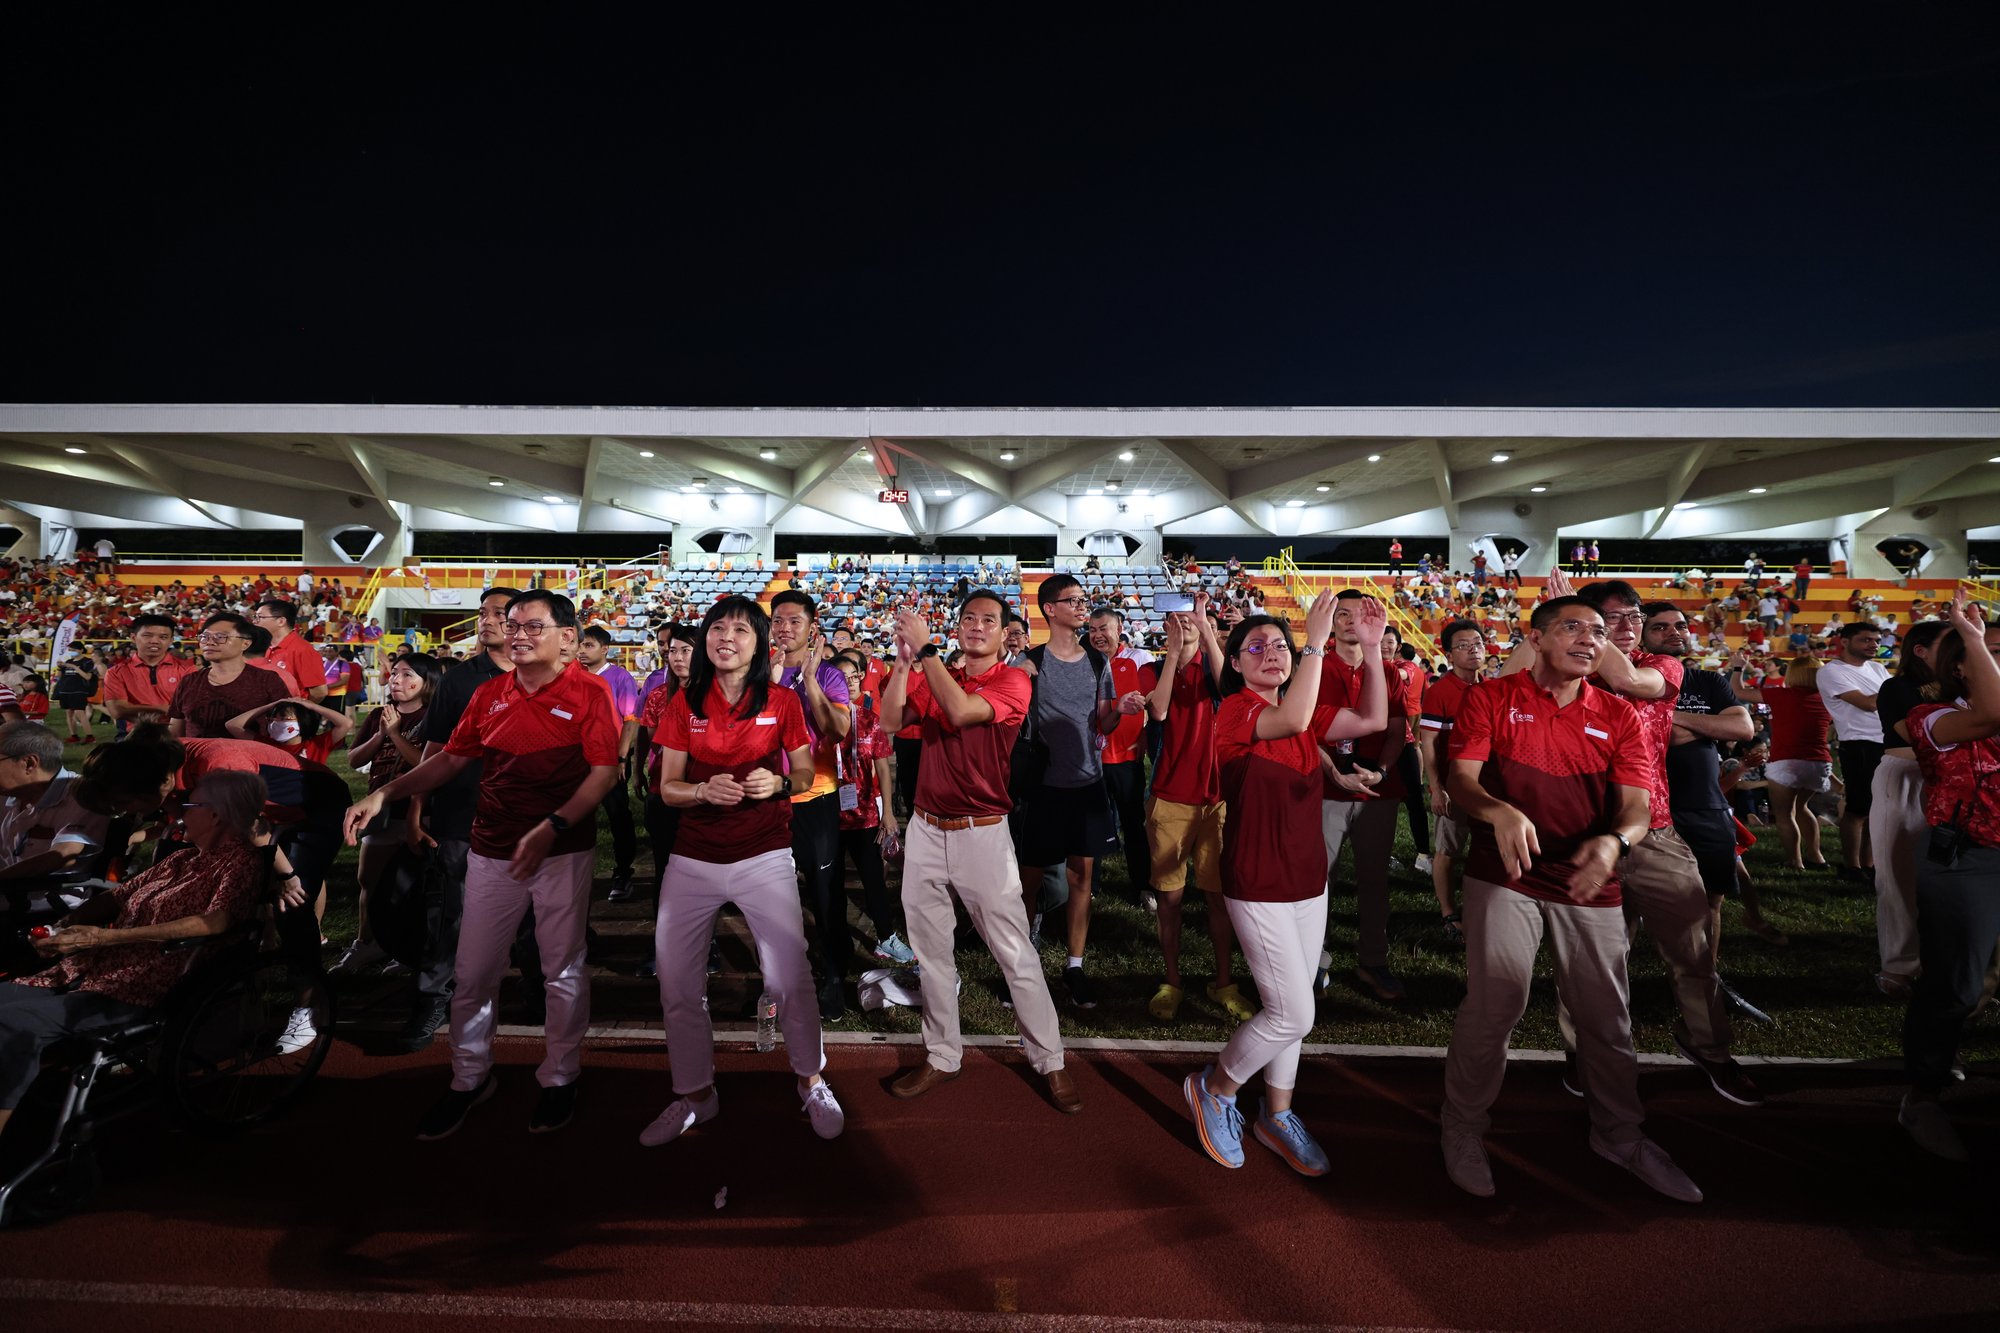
{"x": 1411, "y": 770}
{"x": 908, "y": 752}
{"x": 1958, "y": 924}
{"x": 816, "y": 850}
{"x": 1126, "y": 785}
{"x": 663, "y": 825}
{"x": 617, "y": 807}
{"x": 885, "y": 909}
{"x": 441, "y": 917}
{"x": 33, "y": 1017}
{"x": 311, "y": 848}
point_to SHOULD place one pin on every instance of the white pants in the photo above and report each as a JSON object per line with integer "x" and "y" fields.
{"x": 494, "y": 902}
{"x": 766, "y": 889}
{"x": 1898, "y": 831}
{"x": 1280, "y": 942}
{"x": 1503, "y": 933}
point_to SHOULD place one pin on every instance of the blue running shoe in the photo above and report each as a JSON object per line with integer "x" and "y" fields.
{"x": 1216, "y": 1120}
{"x": 1285, "y": 1135}
{"x": 894, "y": 951}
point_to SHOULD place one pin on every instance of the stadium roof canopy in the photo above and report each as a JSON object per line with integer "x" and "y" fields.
{"x": 1606, "y": 472}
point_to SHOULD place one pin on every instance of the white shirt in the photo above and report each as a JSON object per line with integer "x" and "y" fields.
{"x": 105, "y": 550}
{"x": 1136, "y": 656}
{"x": 1851, "y": 723}
{"x": 1768, "y": 607}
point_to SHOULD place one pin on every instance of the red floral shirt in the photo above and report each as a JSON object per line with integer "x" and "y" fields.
{"x": 866, "y": 742}
{"x": 188, "y": 883}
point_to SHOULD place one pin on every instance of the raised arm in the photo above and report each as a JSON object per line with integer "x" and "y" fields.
{"x": 1981, "y": 718}
{"x": 1294, "y": 712}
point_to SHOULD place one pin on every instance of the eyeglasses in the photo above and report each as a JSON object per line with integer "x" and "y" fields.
{"x": 533, "y": 629}
{"x": 1263, "y": 646}
{"x": 1070, "y": 601}
{"x": 1624, "y": 617}
{"x": 216, "y": 637}
{"x": 1596, "y": 632}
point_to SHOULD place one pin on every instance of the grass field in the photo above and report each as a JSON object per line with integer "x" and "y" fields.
{"x": 1819, "y": 989}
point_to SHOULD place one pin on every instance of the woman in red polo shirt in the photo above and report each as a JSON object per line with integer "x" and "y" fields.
{"x": 1801, "y": 763}
{"x": 1956, "y": 734}
{"x": 1267, "y": 739}
{"x": 725, "y": 745}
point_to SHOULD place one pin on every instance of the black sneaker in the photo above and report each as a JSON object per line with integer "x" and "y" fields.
{"x": 1725, "y": 1076}
{"x": 832, "y": 1000}
{"x": 1572, "y": 1076}
{"x": 1081, "y": 993}
{"x": 714, "y": 957}
{"x": 621, "y": 890}
{"x": 553, "y": 1109}
{"x": 425, "y": 1020}
{"x": 448, "y": 1112}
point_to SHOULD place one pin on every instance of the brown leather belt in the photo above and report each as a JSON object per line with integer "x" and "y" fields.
{"x": 953, "y": 823}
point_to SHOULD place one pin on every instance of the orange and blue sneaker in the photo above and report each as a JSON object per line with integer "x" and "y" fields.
{"x": 1284, "y": 1134}
{"x": 1217, "y": 1122}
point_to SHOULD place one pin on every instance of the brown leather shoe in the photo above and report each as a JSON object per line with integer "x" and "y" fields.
{"x": 921, "y": 1080}
{"x": 1062, "y": 1091}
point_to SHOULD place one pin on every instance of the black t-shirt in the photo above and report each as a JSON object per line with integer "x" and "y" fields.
{"x": 450, "y": 807}
{"x": 1694, "y": 769}
{"x": 1899, "y": 694}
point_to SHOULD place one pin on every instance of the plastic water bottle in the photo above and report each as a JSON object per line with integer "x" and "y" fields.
{"x": 767, "y": 1022}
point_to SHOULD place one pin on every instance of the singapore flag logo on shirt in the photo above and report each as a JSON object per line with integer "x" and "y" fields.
{"x": 1517, "y": 717}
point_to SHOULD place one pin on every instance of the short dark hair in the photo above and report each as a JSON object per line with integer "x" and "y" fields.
{"x": 561, "y": 609}
{"x": 509, "y": 593}
{"x": 793, "y": 597}
{"x": 598, "y": 634}
{"x": 288, "y": 611}
{"x": 1054, "y": 587}
{"x": 1007, "y": 615}
{"x": 1108, "y": 610}
{"x": 1457, "y": 627}
{"x": 1349, "y": 595}
{"x": 152, "y": 621}
{"x": 241, "y": 624}
{"x": 1858, "y": 627}
{"x": 260, "y": 642}
{"x": 1387, "y": 630}
{"x": 1547, "y": 613}
{"x": 1595, "y": 595}
{"x": 1651, "y": 609}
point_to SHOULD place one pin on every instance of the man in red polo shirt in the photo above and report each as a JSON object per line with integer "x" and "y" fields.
{"x": 546, "y": 737}
{"x": 1465, "y": 652}
{"x": 958, "y": 837}
{"x": 279, "y": 619}
{"x": 1554, "y": 776}
{"x": 1360, "y": 789}
{"x": 144, "y": 682}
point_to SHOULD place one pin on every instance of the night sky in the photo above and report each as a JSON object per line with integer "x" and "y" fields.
{"x": 976, "y": 205}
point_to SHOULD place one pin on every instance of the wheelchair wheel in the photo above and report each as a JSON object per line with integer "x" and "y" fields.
{"x": 249, "y": 1042}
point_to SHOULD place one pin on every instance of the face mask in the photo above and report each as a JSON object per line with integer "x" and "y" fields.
{"x": 282, "y": 732}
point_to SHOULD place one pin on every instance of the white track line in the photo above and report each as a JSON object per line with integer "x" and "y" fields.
{"x": 447, "y": 1306}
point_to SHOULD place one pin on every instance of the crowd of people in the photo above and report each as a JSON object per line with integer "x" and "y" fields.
{"x": 1589, "y": 777}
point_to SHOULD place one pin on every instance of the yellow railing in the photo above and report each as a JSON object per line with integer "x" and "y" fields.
{"x": 1303, "y": 589}
{"x": 1977, "y": 590}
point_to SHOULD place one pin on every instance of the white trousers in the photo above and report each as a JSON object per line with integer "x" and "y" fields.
{"x": 766, "y": 889}
{"x": 1280, "y": 942}
{"x": 1898, "y": 832}
{"x": 494, "y": 902}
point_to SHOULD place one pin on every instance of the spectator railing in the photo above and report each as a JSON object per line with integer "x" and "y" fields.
{"x": 1975, "y": 590}
{"x": 1303, "y": 589}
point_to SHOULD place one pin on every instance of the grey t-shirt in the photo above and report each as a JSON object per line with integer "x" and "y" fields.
{"x": 1066, "y": 702}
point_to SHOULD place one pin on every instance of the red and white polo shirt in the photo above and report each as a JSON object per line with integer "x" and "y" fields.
{"x": 535, "y": 748}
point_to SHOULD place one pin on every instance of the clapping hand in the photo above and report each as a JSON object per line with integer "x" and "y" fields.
{"x": 911, "y": 634}
{"x": 1370, "y": 623}
{"x": 1558, "y": 585}
{"x": 1319, "y": 619}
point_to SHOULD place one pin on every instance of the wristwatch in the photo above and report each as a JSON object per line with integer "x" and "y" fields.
{"x": 1624, "y": 846}
{"x": 561, "y": 824}
{"x": 1310, "y": 651}
{"x": 784, "y": 789}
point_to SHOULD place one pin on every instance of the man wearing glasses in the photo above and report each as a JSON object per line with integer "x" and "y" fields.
{"x": 205, "y": 700}
{"x": 547, "y": 739}
{"x": 278, "y": 618}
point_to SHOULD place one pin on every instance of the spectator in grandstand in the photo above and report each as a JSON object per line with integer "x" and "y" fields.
{"x": 112, "y": 971}
{"x": 1064, "y": 817}
{"x": 815, "y": 791}
{"x": 1800, "y": 764}
{"x": 227, "y": 685}
{"x": 1897, "y": 829}
{"x": 970, "y": 717}
{"x": 279, "y": 619}
{"x": 867, "y": 821}
{"x": 142, "y": 685}
{"x": 1184, "y": 818}
{"x": 548, "y": 746}
{"x": 296, "y": 725}
{"x": 593, "y": 650}
{"x": 1395, "y": 557}
{"x": 1464, "y": 650}
{"x": 1849, "y": 685}
{"x": 1123, "y": 755}
{"x": 1802, "y": 574}
{"x": 43, "y": 827}
{"x": 1555, "y": 776}
{"x": 76, "y": 681}
{"x": 1956, "y": 734}
{"x": 723, "y": 742}
{"x": 1270, "y": 733}
{"x": 390, "y": 743}
{"x": 1361, "y": 788}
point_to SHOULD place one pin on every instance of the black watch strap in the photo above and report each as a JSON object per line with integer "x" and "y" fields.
{"x": 1624, "y": 845}
{"x": 561, "y": 824}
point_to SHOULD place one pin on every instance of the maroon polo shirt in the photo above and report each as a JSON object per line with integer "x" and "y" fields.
{"x": 535, "y": 750}
{"x": 964, "y": 773}
{"x": 1272, "y": 851}
{"x": 728, "y": 741}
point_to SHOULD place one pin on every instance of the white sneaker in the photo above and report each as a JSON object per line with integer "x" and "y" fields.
{"x": 1465, "y": 1162}
{"x": 1931, "y": 1129}
{"x": 299, "y": 1032}
{"x": 359, "y": 954}
{"x": 1422, "y": 865}
{"x": 824, "y": 1111}
{"x": 1649, "y": 1161}
{"x": 1150, "y": 901}
{"x": 678, "y": 1119}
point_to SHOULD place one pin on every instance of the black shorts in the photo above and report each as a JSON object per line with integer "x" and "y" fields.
{"x": 1858, "y": 762}
{"x": 1056, "y": 823}
{"x": 1711, "y": 836}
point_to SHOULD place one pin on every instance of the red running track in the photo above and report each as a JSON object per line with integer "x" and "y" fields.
{"x": 981, "y": 1207}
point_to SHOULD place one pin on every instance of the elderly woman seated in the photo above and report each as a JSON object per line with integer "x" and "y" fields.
{"x": 113, "y": 971}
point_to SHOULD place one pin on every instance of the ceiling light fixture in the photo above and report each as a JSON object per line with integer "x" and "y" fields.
{"x": 496, "y": 481}
{"x": 1110, "y": 485}
{"x": 1500, "y": 458}
{"x": 1994, "y": 459}
{"x": 942, "y": 493}
{"x": 1322, "y": 488}
{"x": 768, "y": 455}
{"x": 1125, "y": 456}
{"x": 1758, "y": 490}
{"x": 1006, "y": 455}
{"x": 552, "y": 499}
{"x": 1537, "y": 489}
{"x": 645, "y": 453}
{"x": 73, "y": 449}
{"x": 1295, "y": 504}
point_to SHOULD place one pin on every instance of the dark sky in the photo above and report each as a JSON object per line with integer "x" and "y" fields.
{"x": 998, "y": 206}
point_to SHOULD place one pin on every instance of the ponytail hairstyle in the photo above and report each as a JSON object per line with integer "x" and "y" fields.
{"x": 701, "y": 673}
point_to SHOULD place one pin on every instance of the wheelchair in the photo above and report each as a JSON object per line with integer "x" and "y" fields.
{"x": 212, "y": 1056}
